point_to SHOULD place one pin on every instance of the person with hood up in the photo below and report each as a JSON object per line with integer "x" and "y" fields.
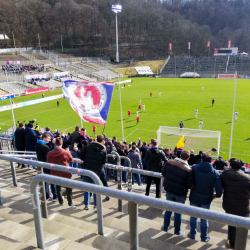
{"x": 94, "y": 157}
{"x": 206, "y": 179}
{"x": 135, "y": 163}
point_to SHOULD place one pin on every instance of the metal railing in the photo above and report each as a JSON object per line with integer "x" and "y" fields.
{"x": 242, "y": 224}
{"x": 67, "y": 169}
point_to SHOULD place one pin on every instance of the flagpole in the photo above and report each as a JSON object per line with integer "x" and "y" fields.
{"x": 120, "y": 106}
{"x": 14, "y": 122}
{"x": 232, "y": 124}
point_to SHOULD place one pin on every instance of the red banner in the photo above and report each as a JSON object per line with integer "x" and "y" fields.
{"x": 229, "y": 44}
{"x": 227, "y": 76}
{"x": 208, "y": 44}
{"x": 36, "y": 91}
{"x": 189, "y": 45}
{"x": 170, "y": 46}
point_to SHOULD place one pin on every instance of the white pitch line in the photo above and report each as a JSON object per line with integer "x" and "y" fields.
{"x": 131, "y": 133}
{"x": 34, "y": 114}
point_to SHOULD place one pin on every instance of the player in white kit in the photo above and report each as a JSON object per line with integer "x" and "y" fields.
{"x": 137, "y": 113}
{"x": 202, "y": 88}
{"x": 236, "y": 115}
{"x": 159, "y": 93}
{"x": 196, "y": 113}
{"x": 139, "y": 101}
{"x": 200, "y": 124}
{"x": 143, "y": 108}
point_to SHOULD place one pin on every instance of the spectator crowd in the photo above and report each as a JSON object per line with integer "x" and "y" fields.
{"x": 184, "y": 172}
{"x": 18, "y": 69}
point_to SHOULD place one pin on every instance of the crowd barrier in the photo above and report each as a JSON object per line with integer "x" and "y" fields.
{"x": 242, "y": 224}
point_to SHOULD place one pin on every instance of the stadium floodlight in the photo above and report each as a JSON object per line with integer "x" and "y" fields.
{"x": 116, "y": 8}
{"x": 199, "y": 140}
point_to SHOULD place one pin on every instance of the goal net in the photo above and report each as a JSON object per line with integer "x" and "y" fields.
{"x": 198, "y": 140}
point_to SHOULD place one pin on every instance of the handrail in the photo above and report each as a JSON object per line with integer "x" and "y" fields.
{"x": 134, "y": 200}
{"x": 66, "y": 169}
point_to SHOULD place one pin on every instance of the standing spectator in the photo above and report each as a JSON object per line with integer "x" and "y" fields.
{"x": 205, "y": 180}
{"x": 74, "y": 141}
{"x": 220, "y": 164}
{"x": 20, "y": 140}
{"x": 236, "y": 195}
{"x": 135, "y": 163}
{"x": 93, "y": 157}
{"x": 178, "y": 178}
{"x": 61, "y": 157}
{"x": 116, "y": 143}
{"x": 154, "y": 158}
{"x": 30, "y": 139}
{"x": 122, "y": 153}
{"x": 143, "y": 151}
{"x": 50, "y": 144}
{"x": 41, "y": 151}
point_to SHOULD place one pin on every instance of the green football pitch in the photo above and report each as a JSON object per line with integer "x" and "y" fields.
{"x": 178, "y": 101}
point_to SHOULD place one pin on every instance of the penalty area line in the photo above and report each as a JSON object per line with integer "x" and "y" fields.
{"x": 131, "y": 133}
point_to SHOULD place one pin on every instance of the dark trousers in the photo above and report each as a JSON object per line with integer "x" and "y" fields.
{"x": 59, "y": 195}
{"x": 232, "y": 234}
{"x": 157, "y": 184}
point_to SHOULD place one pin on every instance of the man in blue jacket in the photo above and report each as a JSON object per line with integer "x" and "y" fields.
{"x": 205, "y": 180}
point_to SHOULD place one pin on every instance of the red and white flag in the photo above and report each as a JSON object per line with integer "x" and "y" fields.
{"x": 189, "y": 45}
{"x": 229, "y": 44}
{"x": 170, "y": 46}
{"x": 208, "y": 44}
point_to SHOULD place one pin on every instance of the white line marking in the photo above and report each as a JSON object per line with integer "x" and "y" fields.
{"x": 131, "y": 133}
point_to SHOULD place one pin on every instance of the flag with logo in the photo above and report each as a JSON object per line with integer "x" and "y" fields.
{"x": 180, "y": 143}
{"x": 170, "y": 46}
{"x": 90, "y": 100}
{"x": 208, "y": 44}
{"x": 229, "y": 44}
{"x": 189, "y": 45}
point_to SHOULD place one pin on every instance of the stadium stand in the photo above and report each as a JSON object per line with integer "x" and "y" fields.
{"x": 106, "y": 74}
{"x": 17, "y": 88}
{"x": 204, "y": 66}
{"x": 76, "y": 229}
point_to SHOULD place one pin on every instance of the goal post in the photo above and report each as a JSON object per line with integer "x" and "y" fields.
{"x": 198, "y": 140}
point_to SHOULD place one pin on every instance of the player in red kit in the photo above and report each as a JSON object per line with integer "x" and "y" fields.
{"x": 94, "y": 128}
{"x": 139, "y": 107}
{"x": 137, "y": 119}
{"x": 150, "y": 94}
{"x": 129, "y": 113}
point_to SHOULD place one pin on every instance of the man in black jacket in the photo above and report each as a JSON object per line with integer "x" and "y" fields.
{"x": 236, "y": 186}
{"x": 42, "y": 150}
{"x": 178, "y": 179}
{"x": 20, "y": 140}
{"x": 154, "y": 157}
{"x": 220, "y": 164}
{"x": 94, "y": 157}
{"x": 74, "y": 139}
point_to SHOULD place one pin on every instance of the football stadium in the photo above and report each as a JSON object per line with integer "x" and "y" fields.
{"x": 124, "y": 125}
